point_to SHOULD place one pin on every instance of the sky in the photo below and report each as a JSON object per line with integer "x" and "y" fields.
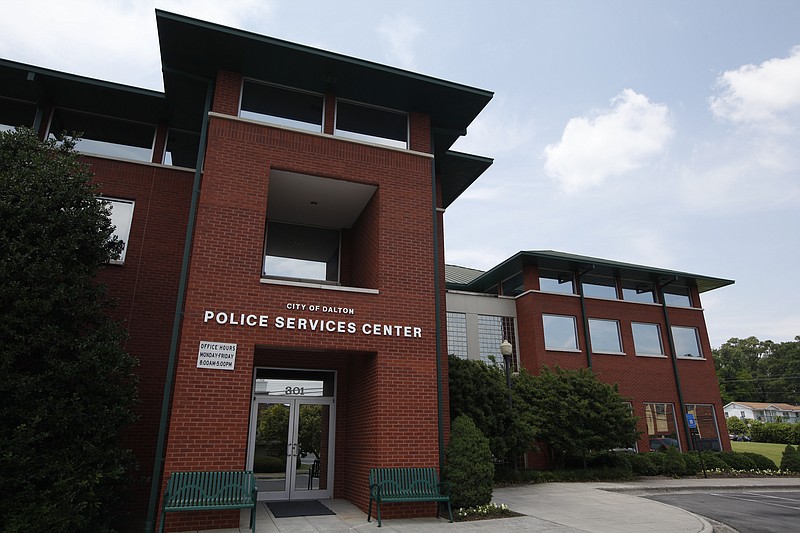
{"x": 664, "y": 134}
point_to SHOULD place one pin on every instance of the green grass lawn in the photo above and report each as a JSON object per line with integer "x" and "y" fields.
{"x": 773, "y": 451}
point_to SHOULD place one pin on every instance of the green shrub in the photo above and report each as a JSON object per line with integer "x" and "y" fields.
{"x": 737, "y": 461}
{"x": 713, "y": 461}
{"x": 791, "y": 459}
{"x": 609, "y": 460}
{"x": 642, "y": 464}
{"x": 657, "y": 458}
{"x": 674, "y": 464}
{"x": 773, "y": 432}
{"x": 760, "y": 461}
{"x": 692, "y": 464}
{"x": 469, "y": 469}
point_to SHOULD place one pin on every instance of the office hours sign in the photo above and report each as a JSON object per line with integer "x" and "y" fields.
{"x": 216, "y": 355}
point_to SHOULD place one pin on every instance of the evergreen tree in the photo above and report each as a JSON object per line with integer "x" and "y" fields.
{"x": 67, "y": 385}
{"x": 469, "y": 470}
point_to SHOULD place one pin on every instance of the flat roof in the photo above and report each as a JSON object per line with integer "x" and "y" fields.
{"x": 566, "y": 262}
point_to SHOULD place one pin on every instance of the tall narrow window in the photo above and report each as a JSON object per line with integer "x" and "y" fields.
{"x": 371, "y": 124}
{"x": 560, "y": 333}
{"x": 121, "y": 218}
{"x": 493, "y": 330}
{"x": 281, "y": 106}
{"x": 457, "y": 334}
{"x": 662, "y": 430}
{"x": 707, "y": 431}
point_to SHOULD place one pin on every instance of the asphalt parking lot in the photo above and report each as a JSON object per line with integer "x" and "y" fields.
{"x": 746, "y": 511}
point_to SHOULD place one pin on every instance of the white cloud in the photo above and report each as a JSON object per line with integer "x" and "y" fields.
{"x": 115, "y": 41}
{"x": 760, "y": 95}
{"x": 609, "y": 143}
{"x": 401, "y": 31}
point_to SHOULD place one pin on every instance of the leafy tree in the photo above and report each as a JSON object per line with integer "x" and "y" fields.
{"x": 575, "y": 413}
{"x": 479, "y": 391}
{"x": 469, "y": 469}
{"x": 67, "y": 385}
{"x": 736, "y": 426}
{"x": 310, "y": 431}
{"x": 759, "y": 371}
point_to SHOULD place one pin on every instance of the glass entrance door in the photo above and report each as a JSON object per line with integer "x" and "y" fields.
{"x": 291, "y": 445}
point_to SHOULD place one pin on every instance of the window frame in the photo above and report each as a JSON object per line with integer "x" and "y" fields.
{"x": 282, "y": 122}
{"x": 660, "y": 340}
{"x": 454, "y": 337}
{"x": 667, "y": 434}
{"x": 620, "y": 350}
{"x": 698, "y": 344}
{"x": 558, "y": 276}
{"x": 110, "y": 201}
{"x": 113, "y": 153}
{"x": 324, "y": 281}
{"x": 367, "y": 138}
{"x": 577, "y": 346}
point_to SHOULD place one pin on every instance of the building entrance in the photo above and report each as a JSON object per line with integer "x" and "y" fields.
{"x": 292, "y": 434}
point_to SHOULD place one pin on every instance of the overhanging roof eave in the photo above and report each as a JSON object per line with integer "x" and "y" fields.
{"x": 572, "y": 262}
{"x": 202, "y": 48}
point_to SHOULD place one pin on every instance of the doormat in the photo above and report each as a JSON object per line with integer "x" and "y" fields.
{"x": 298, "y": 508}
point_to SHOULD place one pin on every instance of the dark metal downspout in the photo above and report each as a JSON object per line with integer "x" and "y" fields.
{"x": 176, "y": 325}
{"x": 586, "y": 339}
{"x": 674, "y": 358}
{"x": 438, "y": 309}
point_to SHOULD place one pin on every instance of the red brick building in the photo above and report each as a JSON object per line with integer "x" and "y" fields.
{"x": 283, "y": 280}
{"x": 639, "y": 327}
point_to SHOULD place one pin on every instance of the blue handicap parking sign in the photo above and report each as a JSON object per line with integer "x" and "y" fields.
{"x": 692, "y": 423}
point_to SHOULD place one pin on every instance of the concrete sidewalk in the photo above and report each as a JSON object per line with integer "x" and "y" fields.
{"x": 610, "y": 507}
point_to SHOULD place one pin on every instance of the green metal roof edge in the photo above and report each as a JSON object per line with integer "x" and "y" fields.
{"x": 77, "y": 78}
{"x": 504, "y": 270}
{"x": 322, "y": 53}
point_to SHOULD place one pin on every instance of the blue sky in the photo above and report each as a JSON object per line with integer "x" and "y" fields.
{"x": 652, "y": 132}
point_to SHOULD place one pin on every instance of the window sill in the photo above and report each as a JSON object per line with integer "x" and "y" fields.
{"x": 610, "y": 353}
{"x": 655, "y": 356}
{"x": 691, "y": 358}
{"x": 323, "y": 286}
{"x": 563, "y": 350}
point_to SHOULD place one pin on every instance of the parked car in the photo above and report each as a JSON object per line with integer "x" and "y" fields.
{"x": 740, "y": 438}
{"x": 660, "y": 444}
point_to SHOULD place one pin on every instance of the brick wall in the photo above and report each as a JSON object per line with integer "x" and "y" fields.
{"x": 386, "y": 402}
{"x": 642, "y": 379}
{"x": 145, "y": 288}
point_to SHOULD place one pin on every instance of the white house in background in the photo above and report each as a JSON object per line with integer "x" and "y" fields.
{"x": 764, "y": 412}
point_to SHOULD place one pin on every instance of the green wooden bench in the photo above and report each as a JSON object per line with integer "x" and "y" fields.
{"x": 406, "y": 485}
{"x": 208, "y": 491}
